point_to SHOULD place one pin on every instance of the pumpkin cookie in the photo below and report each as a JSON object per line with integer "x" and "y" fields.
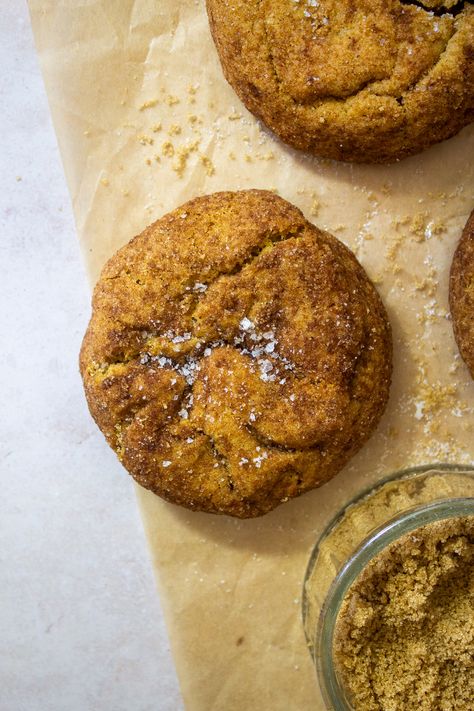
{"x": 461, "y": 294}
{"x": 369, "y": 81}
{"x": 237, "y": 356}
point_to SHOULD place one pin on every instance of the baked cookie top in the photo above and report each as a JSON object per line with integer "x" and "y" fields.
{"x": 461, "y": 294}
{"x": 353, "y": 80}
{"x": 237, "y": 356}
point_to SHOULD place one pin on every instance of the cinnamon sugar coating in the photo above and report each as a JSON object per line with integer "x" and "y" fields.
{"x": 461, "y": 294}
{"x": 355, "y": 80}
{"x": 237, "y": 356}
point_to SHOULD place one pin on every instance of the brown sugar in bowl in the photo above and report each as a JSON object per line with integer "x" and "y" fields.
{"x": 388, "y": 595}
{"x": 237, "y": 356}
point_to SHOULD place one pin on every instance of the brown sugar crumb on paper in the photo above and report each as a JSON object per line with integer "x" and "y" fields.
{"x": 190, "y": 131}
{"x": 429, "y": 283}
{"x": 421, "y": 226}
{"x": 149, "y": 104}
{"x": 183, "y": 153}
{"x": 443, "y": 448}
{"x": 208, "y": 165}
{"x": 174, "y": 130}
{"x": 168, "y": 149}
{"x": 315, "y": 207}
{"x": 194, "y": 119}
{"x": 405, "y": 631}
{"x": 145, "y": 140}
{"x": 434, "y": 397}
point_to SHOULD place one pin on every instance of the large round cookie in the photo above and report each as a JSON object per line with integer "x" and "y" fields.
{"x": 461, "y": 294}
{"x": 354, "y": 80}
{"x": 237, "y": 356}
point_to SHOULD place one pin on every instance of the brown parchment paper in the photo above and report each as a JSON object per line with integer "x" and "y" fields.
{"x": 145, "y": 120}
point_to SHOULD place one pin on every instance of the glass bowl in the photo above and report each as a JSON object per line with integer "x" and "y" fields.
{"x": 361, "y": 530}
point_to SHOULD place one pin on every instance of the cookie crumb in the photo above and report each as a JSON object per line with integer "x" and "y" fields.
{"x": 148, "y": 104}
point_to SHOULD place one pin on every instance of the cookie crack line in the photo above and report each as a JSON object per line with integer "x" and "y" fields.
{"x": 150, "y": 361}
{"x": 421, "y": 78}
{"x": 170, "y": 364}
{"x": 145, "y": 358}
{"x": 269, "y": 241}
{"x": 123, "y": 424}
{"x": 270, "y": 56}
{"x": 439, "y": 11}
{"x": 174, "y": 365}
{"x": 270, "y": 444}
{"x": 218, "y": 455}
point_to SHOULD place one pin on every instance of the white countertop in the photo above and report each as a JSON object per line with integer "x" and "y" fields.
{"x": 80, "y": 622}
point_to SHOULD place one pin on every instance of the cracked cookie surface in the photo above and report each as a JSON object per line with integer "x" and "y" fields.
{"x": 354, "y": 80}
{"x": 461, "y": 294}
{"x": 237, "y": 356}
